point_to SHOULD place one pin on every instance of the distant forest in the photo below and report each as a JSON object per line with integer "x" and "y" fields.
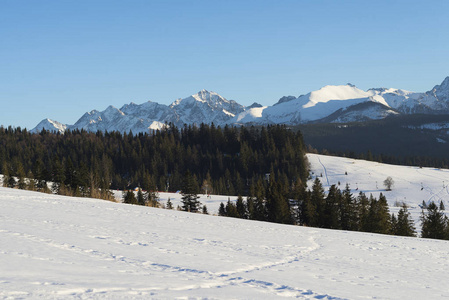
{"x": 223, "y": 161}
{"x": 400, "y": 140}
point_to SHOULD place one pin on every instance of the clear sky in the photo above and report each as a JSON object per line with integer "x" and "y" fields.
{"x": 60, "y": 59}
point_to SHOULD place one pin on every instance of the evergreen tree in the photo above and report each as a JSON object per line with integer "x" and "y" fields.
{"x": 378, "y": 216}
{"x": 348, "y": 210}
{"x": 21, "y": 184}
{"x": 231, "y": 209}
{"x": 6, "y": 175}
{"x": 363, "y": 207}
{"x": 404, "y": 224}
{"x": 277, "y": 206}
{"x": 169, "y": 205}
{"x": 205, "y": 212}
{"x": 222, "y": 210}
{"x": 241, "y": 208}
{"x": 140, "y": 197}
{"x": 190, "y": 194}
{"x": 129, "y": 197}
{"x": 31, "y": 182}
{"x": 317, "y": 200}
{"x": 331, "y": 217}
{"x": 394, "y": 224}
{"x": 308, "y": 215}
{"x": 259, "y": 210}
{"x": 434, "y": 223}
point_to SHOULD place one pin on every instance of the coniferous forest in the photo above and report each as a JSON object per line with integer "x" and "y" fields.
{"x": 266, "y": 164}
{"x": 223, "y": 161}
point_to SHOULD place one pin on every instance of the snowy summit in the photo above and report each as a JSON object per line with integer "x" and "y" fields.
{"x": 332, "y": 103}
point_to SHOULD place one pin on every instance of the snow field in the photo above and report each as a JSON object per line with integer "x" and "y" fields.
{"x": 63, "y": 247}
{"x": 412, "y": 185}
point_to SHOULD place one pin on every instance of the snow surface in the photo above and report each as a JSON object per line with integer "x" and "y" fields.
{"x": 412, "y": 185}
{"x": 61, "y": 247}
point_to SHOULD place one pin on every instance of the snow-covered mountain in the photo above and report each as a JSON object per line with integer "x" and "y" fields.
{"x": 206, "y": 107}
{"x": 50, "y": 125}
{"x": 344, "y": 103}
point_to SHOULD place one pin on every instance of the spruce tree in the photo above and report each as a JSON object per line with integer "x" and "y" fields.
{"x": 241, "y": 208}
{"x": 231, "y": 209}
{"x": 317, "y": 200}
{"x": 6, "y": 175}
{"x": 222, "y": 210}
{"x": 140, "y": 197}
{"x": 434, "y": 223}
{"x": 169, "y": 205}
{"x": 189, "y": 194}
{"x": 129, "y": 197}
{"x": 404, "y": 224}
{"x": 21, "y": 184}
{"x": 331, "y": 217}
{"x": 348, "y": 210}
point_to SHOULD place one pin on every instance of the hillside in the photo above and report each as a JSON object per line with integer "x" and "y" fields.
{"x": 412, "y": 185}
{"x": 60, "y": 247}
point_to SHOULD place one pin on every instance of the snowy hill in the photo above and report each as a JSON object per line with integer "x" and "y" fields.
{"x": 60, "y": 247}
{"x": 412, "y": 185}
{"x": 344, "y": 103}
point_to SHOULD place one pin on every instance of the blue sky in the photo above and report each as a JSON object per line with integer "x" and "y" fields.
{"x": 60, "y": 59}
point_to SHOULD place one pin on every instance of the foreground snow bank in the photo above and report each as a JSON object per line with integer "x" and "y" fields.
{"x": 60, "y": 247}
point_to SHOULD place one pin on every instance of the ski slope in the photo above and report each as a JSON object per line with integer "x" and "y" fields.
{"x": 63, "y": 248}
{"x": 412, "y": 185}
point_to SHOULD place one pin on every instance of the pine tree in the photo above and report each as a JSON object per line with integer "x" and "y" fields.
{"x": 434, "y": 223}
{"x": 241, "y": 208}
{"x": 348, "y": 210}
{"x": 222, "y": 210}
{"x": 189, "y": 193}
{"x": 331, "y": 217}
{"x": 169, "y": 205}
{"x": 205, "y": 212}
{"x": 31, "y": 182}
{"x": 394, "y": 224}
{"x": 405, "y": 224}
{"x": 6, "y": 175}
{"x": 317, "y": 201}
{"x": 277, "y": 206}
{"x": 21, "y": 184}
{"x": 231, "y": 209}
{"x": 140, "y": 197}
{"x": 363, "y": 206}
{"x": 129, "y": 197}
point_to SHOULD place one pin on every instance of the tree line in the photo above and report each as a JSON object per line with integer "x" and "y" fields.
{"x": 335, "y": 210}
{"x": 222, "y": 160}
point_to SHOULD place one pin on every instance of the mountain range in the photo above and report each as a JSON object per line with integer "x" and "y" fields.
{"x": 330, "y": 104}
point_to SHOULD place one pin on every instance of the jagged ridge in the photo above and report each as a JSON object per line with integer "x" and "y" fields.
{"x": 331, "y": 103}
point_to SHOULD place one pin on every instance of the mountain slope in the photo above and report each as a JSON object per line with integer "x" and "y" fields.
{"x": 345, "y": 103}
{"x": 206, "y": 107}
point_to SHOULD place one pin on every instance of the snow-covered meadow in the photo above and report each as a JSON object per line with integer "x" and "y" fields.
{"x": 412, "y": 185}
{"x": 61, "y": 247}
